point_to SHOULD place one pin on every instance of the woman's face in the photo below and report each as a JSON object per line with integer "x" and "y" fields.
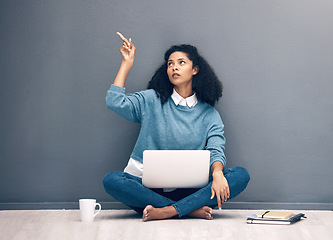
{"x": 180, "y": 69}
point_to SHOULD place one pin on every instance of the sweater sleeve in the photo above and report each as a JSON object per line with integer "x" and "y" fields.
{"x": 215, "y": 142}
{"x": 128, "y": 106}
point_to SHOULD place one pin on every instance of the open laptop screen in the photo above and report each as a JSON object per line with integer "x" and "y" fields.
{"x": 175, "y": 168}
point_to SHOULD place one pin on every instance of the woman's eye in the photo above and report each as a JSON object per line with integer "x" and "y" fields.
{"x": 182, "y": 62}
{"x": 170, "y": 64}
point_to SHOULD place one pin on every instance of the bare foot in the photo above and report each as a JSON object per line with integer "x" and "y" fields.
{"x": 151, "y": 213}
{"x": 204, "y": 212}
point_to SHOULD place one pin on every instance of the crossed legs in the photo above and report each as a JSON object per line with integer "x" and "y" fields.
{"x": 156, "y": 204}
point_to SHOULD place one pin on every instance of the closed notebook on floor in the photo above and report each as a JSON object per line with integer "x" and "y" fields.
{"x": 275, "y": 217}
{"x": 175, "y": 168}
{"x": 275, "y": 214}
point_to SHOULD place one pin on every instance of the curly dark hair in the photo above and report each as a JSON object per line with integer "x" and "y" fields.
{"x": 205, "y": 83}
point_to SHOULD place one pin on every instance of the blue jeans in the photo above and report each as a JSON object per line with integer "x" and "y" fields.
{"x": 129, "y": 190}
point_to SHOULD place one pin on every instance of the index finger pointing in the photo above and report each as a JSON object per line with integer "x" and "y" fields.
{"x": 121, "y": 36}
{"x": 124, "y": 39}
{"x": 219, "y": 201}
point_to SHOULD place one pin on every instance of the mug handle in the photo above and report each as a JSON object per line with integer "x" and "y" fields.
{"x": 99, "y": 209}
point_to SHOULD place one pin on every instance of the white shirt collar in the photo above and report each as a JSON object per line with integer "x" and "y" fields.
{"x": 190, "y": 101}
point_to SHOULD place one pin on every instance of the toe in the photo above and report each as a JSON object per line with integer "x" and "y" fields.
{"x": 209, "y": 216}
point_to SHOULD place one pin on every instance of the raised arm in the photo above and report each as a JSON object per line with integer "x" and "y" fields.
{"x": 127, "y": 51}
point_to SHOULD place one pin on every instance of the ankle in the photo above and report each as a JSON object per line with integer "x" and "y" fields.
{"x": 169, "y": 211}
{"x": 151, "y": 213}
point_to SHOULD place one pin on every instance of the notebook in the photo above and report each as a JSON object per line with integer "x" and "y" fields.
{"x": 275, "y": 214}
{"x": 175, "y": 168}
{"x": 275, "y": 217}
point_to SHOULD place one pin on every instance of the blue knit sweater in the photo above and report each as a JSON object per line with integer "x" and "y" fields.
{"x": 167, "y": 126}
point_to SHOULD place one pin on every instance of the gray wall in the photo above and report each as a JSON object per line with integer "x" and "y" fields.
{"x": 58, "y": 58}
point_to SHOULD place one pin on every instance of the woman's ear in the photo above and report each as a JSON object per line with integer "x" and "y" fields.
{"x": 195, "y": 70}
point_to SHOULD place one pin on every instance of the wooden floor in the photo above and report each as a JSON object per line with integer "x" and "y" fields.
{"x": 125, "y": 224}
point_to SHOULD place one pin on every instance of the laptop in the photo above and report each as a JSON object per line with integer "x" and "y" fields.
{"x": 175, "y": 168}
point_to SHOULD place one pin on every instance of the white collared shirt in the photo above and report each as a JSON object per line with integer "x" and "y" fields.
{"x": 190, "y": 101}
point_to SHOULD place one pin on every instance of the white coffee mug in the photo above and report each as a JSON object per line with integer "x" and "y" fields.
{"x": 87, "y": 209}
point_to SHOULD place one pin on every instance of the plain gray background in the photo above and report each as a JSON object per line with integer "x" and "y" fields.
{"x": 58, "y": 59}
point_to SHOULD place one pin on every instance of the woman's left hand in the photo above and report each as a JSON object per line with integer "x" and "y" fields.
{"x": 220, "y": 188}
